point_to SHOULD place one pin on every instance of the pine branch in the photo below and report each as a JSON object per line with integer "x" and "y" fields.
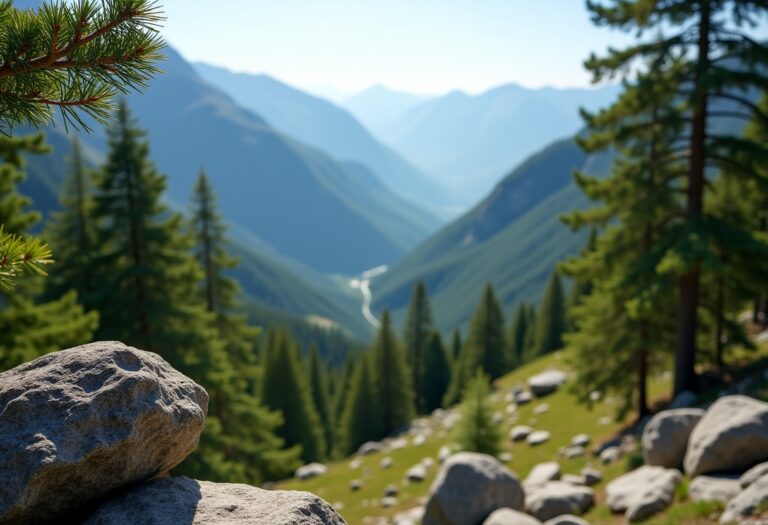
{"x": 19, "y": 256}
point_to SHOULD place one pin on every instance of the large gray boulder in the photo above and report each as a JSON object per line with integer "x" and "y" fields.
{"x": 665, "y": 437}
{"x": 468, "y": 488}
{"x": 546, "y": 382}
{"x": 510, "y": 517}
{"x": 80, "y": 423}
{"x": 643, "y": 492}
{"x": 746, "y": 502}
{"x": 557, "y": 498}
{"x": 731, "y": 437}
{"x": 171, "y": 501}
{"x": 714, "y": 488}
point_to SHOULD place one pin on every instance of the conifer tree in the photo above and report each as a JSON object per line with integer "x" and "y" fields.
{"x": 417, "y": 335}
{"x": 529, "y": 350}
{"x": 28, "y": 328}
{"x": 518, "y": 334}
{"x": 551, "y": 322}
{"x": 476, "y": 431}
{"x": 437, "y": 373}
{"x": 362, "y": 419}
{"x": 582, "y": 287}
{"x": 392, "y": 379}
{"x": 455, "y": 346}
{"x": 320, "y": 396}
{"x": 705, "y": 47}
{"x": 285, "y": 388}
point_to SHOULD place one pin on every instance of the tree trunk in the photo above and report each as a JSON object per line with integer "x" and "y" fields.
{"x": 688, "y": 300}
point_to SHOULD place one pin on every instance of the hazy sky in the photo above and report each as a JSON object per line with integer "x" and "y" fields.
{"x": 428, "y": 46}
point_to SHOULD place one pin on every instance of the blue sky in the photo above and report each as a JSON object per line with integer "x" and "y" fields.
{"x": 426, "y": 46}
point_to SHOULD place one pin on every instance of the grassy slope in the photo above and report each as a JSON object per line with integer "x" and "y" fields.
{"x": 564, "y": 419}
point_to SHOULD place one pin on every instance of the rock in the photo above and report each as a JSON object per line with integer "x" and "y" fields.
{"x": 510, "y": 517}
{"x": 519, "y": 432}
{"x": 388, "y": 502}
{"x": 428, "y": 463}
{"x": 385, "y": 462}
{"x": 541, "y": 474}
{"x": 541, "y": 409}
{"x": 80, "y": 423}
{"x": 713, "y": 488}
{"x": 591, "y": 476}
{"x": 557, "y": 498}
{"x": 370, "y": 447}
{"x": 398, "y": 444}
{"x": 416, "y": 473}
{"x": 538, "y": 437}
{"x": 580, "y": 440}
{"x": 468, "y": 488}
{"x": 444, "y": 453}
{"x": 419, "y": 440}
{"x": 170, "y": 501}
{"x": 610, "y": 455}
{"x": 665, "y": 437}
{"x": 505, "y": 457}
{"x": 746, "y": 502}
{"x": 574, "y": 479}
{"x": 573, "y": 452}
{"x": 642, "y": 492}
{"x": 732, "y": 436}
{"x": 391, "y": 491}
{"x": 523, "y": 398}
{"x": 311, "y": 470}
{"x": 568, "y": 519}
{"x": 605, "y": 421}
{"x": 753, "y": 474}
{"x": 684, "y": 399}
{"x": 409, "y": 517}
{"x": 511, "y": 409}
{"x": 546, "y": 382}
{"x": 355, "y": 485}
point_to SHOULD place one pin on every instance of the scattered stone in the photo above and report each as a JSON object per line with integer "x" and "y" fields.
{"x": 538, "y": 437}
{"x": 580, "y": 440}
{"x": 732, "y": 436}
{"x": 714, "y": 488}
{"x": 746, "y": 502}
{"x": 312, "y": 470}
{"x": 753, "y": 474}
{"x": 390, "y": 491}
{"x": 398, "y": 444}
{"x": 388, "y": 502}
{"x": 419, "y": 440}
{"x": 370, "y": 447}
{"x": 511, "y": 409}
{"x": 591, "y": 476}
{"x": 665, "y": 437}
{"x": 567, "y": 519}
{"x": 574, "y": 479}
{"x": 605, "y": 421}
{"x": 355, "y": 464}
{"x": 409, "y": 517}
{"x": 80, "y": 423}
{"x": 546, "y": 382}
{"x": 523, "y": 398}
{"x": 505, "y": 457}
{"x": 510, "y": 517}
{"x": 385, "y": 462}
{"x": 428, "y": 463}
{"x": 610, "y": 455}
{"x": 498, "y": 418}
{"x": 642, "y": 492}
{"x": 416, "y": 473}
{"x": 355, "y": 485}
{"x": 685, "y": 399}
{"x": 520, "y": 432}
{"x": 443, "y": 453}
{"x": 170, "y": 501}
{"x": 573, "y": 452}
{"x": 557, "y": 498}
{"x": 595, "y": 396}
{"x": 468, "y": 488}
{"x": 541, "y": 474}
{"x": 541, "y": 409}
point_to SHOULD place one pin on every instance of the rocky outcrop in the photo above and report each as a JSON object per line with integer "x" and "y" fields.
{"x": 80, "y": 423}
{"x": 510, "y": 517}
{"x": 642, "y": 492}
{"x": 468, "y": 488}
{"x": 171, "y": 501}
{"x": 665, "y": 437}
{"x": 546, "y": 382}
{"x": 557, "y": 498}
{"x": 731, "y": 437}
{"x": 746, "y": 502}
{"x": 713, "y": 488}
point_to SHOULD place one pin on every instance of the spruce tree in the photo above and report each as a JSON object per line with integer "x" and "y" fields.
{"x": 476, "y": 430}
{"x": 416, "y": 337}
{"x": 518, "y": 334}
{"x": 285, "y": 388}
{"x": 705, "y": 48}
{"x": 392, "y": 379}
{"x": 362, "y": 418}
{"x": 551, "y": 322}
{"x": 455, "y": 346}
{"x": 437, "y": 373}
{"x": 319, "y": 388}
{"x": 29, "y": 328}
